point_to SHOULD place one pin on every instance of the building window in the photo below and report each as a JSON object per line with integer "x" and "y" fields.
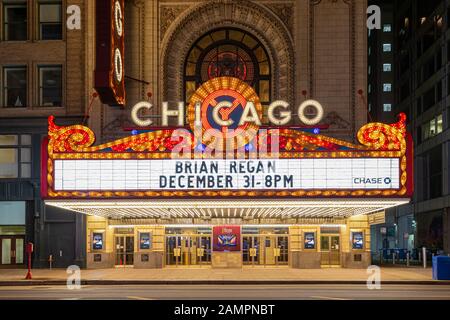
{"x": 432, "y": 128}
{"x": 387, "y": 27}
{"x": 50, "y": 20}
{"x": 50, "y": 86}
{"x": 15, "y": 21}
{"x": 15, "y": 156}
{"x": 15, "y": 86}
{"x": 387, "y": 47}
{"x": 387, "y": 107}
{"x": 228, "y": 52}
{"x": 439, "y": 124}
{"x": 387, "y": 67}
{"x": 387, "y": 87}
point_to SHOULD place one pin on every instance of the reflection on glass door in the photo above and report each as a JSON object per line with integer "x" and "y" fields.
{"x": 12, "y": 250}
{"x": 330, "y": 250}
{"x": 124, "y": 246}
{"x": 204, "y": 253}
{"x": 283, "y": 246}
{"x": 7, "y": 251}
{"x": 250, "y": 249}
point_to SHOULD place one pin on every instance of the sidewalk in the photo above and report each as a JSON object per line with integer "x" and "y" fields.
{"x": 207, "y": 275}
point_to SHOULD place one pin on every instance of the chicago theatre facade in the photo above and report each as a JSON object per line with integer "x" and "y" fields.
{"x": 150, "y": 189}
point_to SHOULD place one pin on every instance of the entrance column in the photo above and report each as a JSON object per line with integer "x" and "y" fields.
{"x": 355, "y": 242}
{"x": 304, "y": 247}
{"x": 227, "y": 244}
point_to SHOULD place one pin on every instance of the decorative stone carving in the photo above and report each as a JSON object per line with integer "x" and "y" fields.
{"x": 285, "y": 11}
{"x": 250, "y": 16}
{"x": 168, "y": 15}
{"x": 114, "y": 129}
{"x": 334, "y": 120}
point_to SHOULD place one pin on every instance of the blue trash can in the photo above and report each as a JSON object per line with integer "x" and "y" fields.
{"x": 441, "y": 268}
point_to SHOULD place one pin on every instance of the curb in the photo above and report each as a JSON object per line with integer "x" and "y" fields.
{"x": 19, "y": 283}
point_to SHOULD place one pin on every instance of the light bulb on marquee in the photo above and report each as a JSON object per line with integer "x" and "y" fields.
{"x": 118, "y": 16}
{"x": 310, "y": 121}
{"x": 232, "y": 113}
{"x": 118, "y": 65}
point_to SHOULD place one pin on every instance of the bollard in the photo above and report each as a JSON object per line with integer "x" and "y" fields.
{"x": 393, "y": 257}
{"x": 407, "y": 259}
{"x": 424, "y": 257}
{"x": 29, "y": 248}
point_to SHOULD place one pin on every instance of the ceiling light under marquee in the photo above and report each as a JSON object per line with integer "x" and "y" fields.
{"x": 228, "y": 209}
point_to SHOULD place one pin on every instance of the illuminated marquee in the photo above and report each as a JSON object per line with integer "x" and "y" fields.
{"x": 304, "y": 165}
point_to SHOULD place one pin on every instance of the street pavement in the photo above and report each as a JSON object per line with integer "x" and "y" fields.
{"x": 228, "y": 292}
{"x": 212, "y": 274}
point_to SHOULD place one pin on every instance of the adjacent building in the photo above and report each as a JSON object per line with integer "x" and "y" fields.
{"x": 420, "y": 43}
{"x": 42, "y": 74}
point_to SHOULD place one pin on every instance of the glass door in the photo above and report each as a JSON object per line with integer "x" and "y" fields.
{"x": 283, "y": 246}
{"x": 12, "y": 250}
{"x": 330, "y": 250}
{"x": 335, "y": 257}
{"x": 267, "y": 249}
{"x": 172, "y": 247}
{"x": 187, "y": 250}
{"x": 124, "y": 250}
{"x": 204, "y": 249}
{"x": 250, "y": 250}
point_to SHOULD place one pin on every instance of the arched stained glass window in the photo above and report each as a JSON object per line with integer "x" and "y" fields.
{"x": 228, "y": 52}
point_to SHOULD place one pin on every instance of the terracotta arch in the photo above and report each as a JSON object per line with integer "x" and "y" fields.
{"x": 249, "y": 16}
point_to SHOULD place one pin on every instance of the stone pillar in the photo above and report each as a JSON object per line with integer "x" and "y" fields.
{"x": 351, "y": 257}
{"x": 226, "y": 259}
{"x": 299, "y": 256}
{"x": 98, "y": 259}
{"x": 152, "y": 258}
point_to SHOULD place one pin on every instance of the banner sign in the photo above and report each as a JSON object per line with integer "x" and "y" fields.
{"x": 310, "y": 240}
{"x": 357, "y": 240}
{"x": 97, "y": 241}
{"x": 227, "y": 238}
{"x": 144, "y": 240}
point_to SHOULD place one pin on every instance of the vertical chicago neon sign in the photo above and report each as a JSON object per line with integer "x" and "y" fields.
{"x": 110, "y": 49}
